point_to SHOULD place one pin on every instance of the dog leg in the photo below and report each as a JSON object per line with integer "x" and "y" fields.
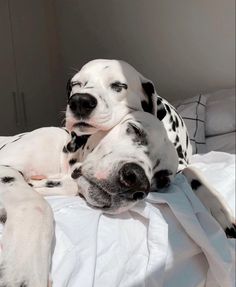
{"x": 27, "y": 235}
{"x": 212, "y": 200}
{"x": 53, "y": 186}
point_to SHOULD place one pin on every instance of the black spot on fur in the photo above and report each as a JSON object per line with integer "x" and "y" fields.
{"x": 30, "y": 184}
{"x": 173, "y": 126}
{"x": 23, "y": 284}
{"x": 76, "y": 173}
{"x": 105, "y": 155}
{"x": 187, "y": 141}
{"x": 168, "y": 108}
{"x": 139, "y": 136}
{"x": 195, "y": 184}
{"x": 53, "y": 183}
{"x": 162, "y": 178}
{"x": 72, "y": 161}
{"x": 21, "y": 173}
{"x": 149, "y": 91}
{"x": 7, "y": 179}
{"x": 159, "y": 101}
{"x": 161, "y": 114}
{"x": 75, "y": 143}
{"x": 180, "y": 152}
{"x": 231, "y": 232}
{"x": 3, "y": 216}
{"x": 65, "y": 149}
{"x": 176, "y": 122}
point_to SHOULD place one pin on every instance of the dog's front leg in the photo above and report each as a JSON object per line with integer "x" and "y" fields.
{"x": 55, "y": 186}
{"x": 26, "y": 245}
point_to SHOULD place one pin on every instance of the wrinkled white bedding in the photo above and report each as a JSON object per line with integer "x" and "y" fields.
{"x": 170, "y": 240}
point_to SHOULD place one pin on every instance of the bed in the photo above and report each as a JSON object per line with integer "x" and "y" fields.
{"x": 168, "y": 240}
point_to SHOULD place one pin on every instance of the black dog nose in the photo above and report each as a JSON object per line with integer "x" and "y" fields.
{"x": 82, "y": 104}
{"x": 133, "y": 179}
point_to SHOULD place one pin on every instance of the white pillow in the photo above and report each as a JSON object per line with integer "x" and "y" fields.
{"x": 220, "y": 112}
{"x": 225, "y": 143}
{"x": 193, "y": 113}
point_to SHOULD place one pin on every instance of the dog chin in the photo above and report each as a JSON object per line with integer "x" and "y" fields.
{"x": 97, "y": 198}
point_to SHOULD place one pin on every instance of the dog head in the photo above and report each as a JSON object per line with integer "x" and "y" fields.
{"x": 120, "y": 167}
{"x": 104, "y": 91}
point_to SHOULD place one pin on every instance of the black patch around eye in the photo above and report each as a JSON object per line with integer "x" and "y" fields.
{"x": 140, "y": 135}
{"x": 118, "y": 86}
{"x": 195, "y": 184}
{"x": 7, "y": 179}
{"x": 53, "y": 183}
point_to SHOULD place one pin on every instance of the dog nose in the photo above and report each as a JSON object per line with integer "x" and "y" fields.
{"x": 82, "y": 104}
{"x": 133, "y": 179}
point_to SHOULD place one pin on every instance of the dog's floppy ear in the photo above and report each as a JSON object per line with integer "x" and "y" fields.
{"x": 68, "y": 87}
{"x": 151, "y": 102}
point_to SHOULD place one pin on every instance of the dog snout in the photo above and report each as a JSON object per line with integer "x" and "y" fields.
{"x": 82, "y": 104}
{"x": 133, "y": 179}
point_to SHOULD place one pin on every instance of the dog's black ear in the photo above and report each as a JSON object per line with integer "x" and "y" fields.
{"x": 149, "y": 91}
{"x": 68, "y": 87}
{"x": 152, "y": 103}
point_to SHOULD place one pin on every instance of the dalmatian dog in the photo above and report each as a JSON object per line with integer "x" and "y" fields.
{"x": 104, "y": 91}
{"x": 110, "y": 176}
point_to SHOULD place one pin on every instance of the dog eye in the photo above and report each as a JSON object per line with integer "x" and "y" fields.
{"x": 118, "y": 86}
{"x": 76, "y": 84}
{"x": 132, "y": 128}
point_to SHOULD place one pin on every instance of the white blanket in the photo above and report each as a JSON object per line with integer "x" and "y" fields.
{"x": 170, "y": 240}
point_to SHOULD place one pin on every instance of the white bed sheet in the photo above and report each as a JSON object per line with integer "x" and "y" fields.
{"x": 170, "y": 240}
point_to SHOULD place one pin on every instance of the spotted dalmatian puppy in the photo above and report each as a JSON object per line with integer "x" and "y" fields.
{"x": 104, "y": 91}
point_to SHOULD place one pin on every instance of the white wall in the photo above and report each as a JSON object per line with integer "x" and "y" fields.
{"x": 184, "y": 46}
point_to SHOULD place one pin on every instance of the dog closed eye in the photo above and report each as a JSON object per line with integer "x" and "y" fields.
{"x": 118, "y": 86}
